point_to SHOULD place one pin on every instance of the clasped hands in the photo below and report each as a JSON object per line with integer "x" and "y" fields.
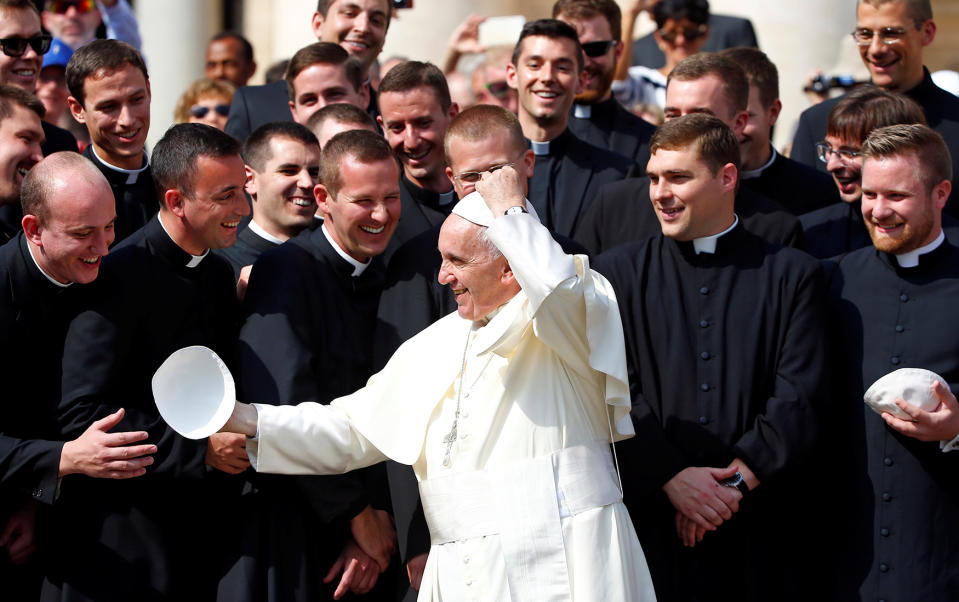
{"x": 702, "y": 502}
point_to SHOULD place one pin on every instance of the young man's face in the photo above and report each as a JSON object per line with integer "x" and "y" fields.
{"x": 323, "y": 84}
{"x": 359, "y": 26}
{"x": 414, "y": 124}
{"x": 20, "y": 138}
{"x": 212, "y": 213}
{"x": 760, "y": 119}
{"x": 546, "y": 76}
{"x": 20, "y": 71}
{"x": 225, "y": 60}
{"x": 598, "y": 68}
{"x": 76, "y": 25}
{"x": 896, "y": 66}
{"x": 846, "y": 171}
{"x": 116, "y": 111}
{"x": 283, "y": 189}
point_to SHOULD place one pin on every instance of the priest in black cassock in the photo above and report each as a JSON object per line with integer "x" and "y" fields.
{"x": 597, "y": 117}
{"x": 724, "y": 343}
{"x": 310, "y": 314}
{"x": 546, "y": 71}
{"x": 42, "y": 272}
{"x": 415, "y": 110}
{"x": 891, "y": 305}
{"x": 158, "y": 537}
{"x": 112, "y": 73}
{"x": 20, "y": 136}
{"x": 702, "y": 83}
{"x": 283, "y": 164}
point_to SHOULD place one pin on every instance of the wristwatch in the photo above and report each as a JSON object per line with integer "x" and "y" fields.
{"x": 515, "y": 209}
{"x": 738, "y": 482}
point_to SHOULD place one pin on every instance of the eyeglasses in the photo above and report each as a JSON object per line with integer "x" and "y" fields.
{"x": 595, "y": 49}
{"x": 887, "y": 35}
{"x": 690, "y": 33}
{"x": 471, "y": 177}
{"x": 15, "y": 45}
{"x": 62, "y": 6}
{"x": 497, "y": 89}
{"x": 199, "y": 111}
{"x": 823, "y": 151}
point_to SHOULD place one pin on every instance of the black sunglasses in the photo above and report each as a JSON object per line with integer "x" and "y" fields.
{"x": 15, "y": 45}
{"x": 200, "y": 112}
{"x": 498, "y": 89}
{"x": 690, "y": 33}
{"x": 595, "y": 49}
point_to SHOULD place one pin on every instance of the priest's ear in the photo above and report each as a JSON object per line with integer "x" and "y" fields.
{"x": 507, "y": 278}
{"x": 323, "y": 198}
{"x": 32, "y": 228}
{"x": 250, "y": 185}
{"x": 173, "y": 201}
{"x": 729, "y": 178}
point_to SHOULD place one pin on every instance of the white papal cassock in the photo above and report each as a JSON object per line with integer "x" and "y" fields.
{"x": 529, "y": 506}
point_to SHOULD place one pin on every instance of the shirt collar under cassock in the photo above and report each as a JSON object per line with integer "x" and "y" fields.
{"x": 707, "y": 244}
{"x": 194, "y": 259}
{"x": 911, "y": 258}
{"x": 755, "y": 173}
{"x": 358, "y": 268}
{"x": 552, "y": 147}
{"x": 256, "y": 229}
{"x": 44, "y": 272}
{"x": 132, "y": 174}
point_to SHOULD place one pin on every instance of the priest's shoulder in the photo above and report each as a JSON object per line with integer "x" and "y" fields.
{"x": 585, "y": 153}
{"x": 628, "y": 258}
{"x": 288, "y": 259}
{"x": 418, "y": 255}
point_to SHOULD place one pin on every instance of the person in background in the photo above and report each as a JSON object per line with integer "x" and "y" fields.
{"x": 76, "y": 21}
{"x": 229, "y": 57}
{"x": 205, "y": 101}
{"x": 340, "y": 117}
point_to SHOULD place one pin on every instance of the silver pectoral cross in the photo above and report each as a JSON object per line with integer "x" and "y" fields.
{"x": 449, "y": 439}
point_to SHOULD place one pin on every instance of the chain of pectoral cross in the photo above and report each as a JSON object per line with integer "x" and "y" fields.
{"x": 450, "y": 437}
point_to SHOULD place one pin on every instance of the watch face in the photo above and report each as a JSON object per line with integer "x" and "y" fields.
{"x": 733, "y": 481}
{"x": 514, "y": 210}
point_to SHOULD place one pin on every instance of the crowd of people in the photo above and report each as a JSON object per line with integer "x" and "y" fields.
{"x": 631, "y": 367}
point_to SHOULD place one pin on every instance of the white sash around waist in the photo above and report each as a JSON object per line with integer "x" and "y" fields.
{"x": 523, "y": 504}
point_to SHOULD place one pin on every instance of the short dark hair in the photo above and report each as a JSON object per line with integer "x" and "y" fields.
{"x": 410, "y": 75}
{"x": 868, "y": 107}
{"x": 552, "y": 29}
{"x": 912, "y": 138}
{"x": 702, "y": 64}
{"x": 244, "y": 43}
{"x": 760, "y": 71}
{"x": 100, "y": 55}
{"x": 174, "y": 158}
{"x": 919, "y": 11}
{"x": 696, "y": 11}
{"x": 11, "y": 96}
{"x": 256, "y": 149}
{"x": 481, "y": 122}
{"x": 341, "y": 113}
{"x": 716, "y": 142}
{"x": 362, "y": 145}
{"x": 20, "y": 5}
{"x": 323, "y": 7}
{"x": 587, "y": 9}
{"x": 325, "y": 53}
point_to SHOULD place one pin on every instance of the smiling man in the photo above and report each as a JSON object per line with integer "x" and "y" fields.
{"x": 884, "y": 300}
{"x": 718, "y": 450}
{"x": 308, "y": 336}
{"x": 891, "y": 35}
{"x": 21, "y": 134}
{"x": 110, "y": 94}
{"x": 322, "y": 74}
{"x": 158, "y": 291}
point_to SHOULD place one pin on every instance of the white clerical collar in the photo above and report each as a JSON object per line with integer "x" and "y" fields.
{"x": 911, "y": 259}
{"x": 583, "y": 111}
{"x": 707, "y": 244}
{"x": 259, "y": 231}
{"x": 755, "y": 173}
{"x": 132, "y": 174}
{"x": 447, "y": 197}
{"x": 44, "y": 272}
{"x": 539, "y": 148}
{"x": 194, "y": 259}
{"x": 358, "y": 267}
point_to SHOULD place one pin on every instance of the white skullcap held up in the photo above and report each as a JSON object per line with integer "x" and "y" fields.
{"x": 474, "y": 209}
{"x": 914, "y": 385}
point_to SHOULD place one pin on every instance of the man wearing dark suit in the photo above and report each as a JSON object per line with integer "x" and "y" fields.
{"x": 891, "y": 37}
{"x": 597, "y": 117}
{"x": 546, "y": 71}
{"x": 360, "y": 31}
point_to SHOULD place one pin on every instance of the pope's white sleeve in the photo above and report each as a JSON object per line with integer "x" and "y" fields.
{"x": 308, "y": 438}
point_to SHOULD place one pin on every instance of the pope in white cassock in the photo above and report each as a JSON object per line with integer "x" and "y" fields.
{"x": 505, "y": 410}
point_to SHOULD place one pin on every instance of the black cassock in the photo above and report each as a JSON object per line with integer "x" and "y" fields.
{"x": 247, "y": 249}
{"x": 622, "y": 212}
{"x": 135, "y": 195}
{"x": 307, "y": 336}
{"x": 797, "y": 187}
{"x": 726, "y": 359}
{"x": 609, "y": 125}
{"x": 902, "y": 510}
{"x": 155, "y": 537}
{"x": 33, "y": 322}
{"x": 421, "y": 210}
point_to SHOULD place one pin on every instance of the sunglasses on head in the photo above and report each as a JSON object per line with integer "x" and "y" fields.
{"x": 595, "y": 49}
{"x": 62, "y": 6}
{"x": 200, "y": 111}
{"x": 497, "y": 89}
{"x": 690, "y": 33}
{"x": 15, "y": 45}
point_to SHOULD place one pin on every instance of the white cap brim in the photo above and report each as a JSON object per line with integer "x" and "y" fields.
{"x": 194, "y": 392}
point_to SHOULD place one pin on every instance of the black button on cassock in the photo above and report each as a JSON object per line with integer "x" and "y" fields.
{"x": 704, "y": 290}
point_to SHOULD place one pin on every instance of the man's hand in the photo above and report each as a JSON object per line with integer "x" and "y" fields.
{"x": 465, "y": 38}
{"x": 374, "y": 532}
{"x": 688, "y": 530}
{"x": 414, "y": 570}
{"x": 697, "y": 494}
{"x": 18, "y": 535}
{"x": 941, "y": 424}
{"x": 359, "y": 570}
{"x": 227, "y": 452}
{"x": 501, "y": 189}
{"x": 243, "y": 282}
{"x": 98, "y": 453}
